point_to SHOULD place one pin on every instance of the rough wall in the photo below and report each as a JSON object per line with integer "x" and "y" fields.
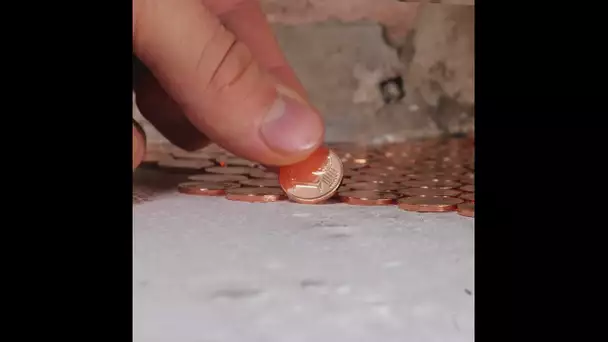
{"x": 381, "y": 69}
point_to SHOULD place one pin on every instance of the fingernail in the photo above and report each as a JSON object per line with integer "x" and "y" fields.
{"x": 291, "y": 125}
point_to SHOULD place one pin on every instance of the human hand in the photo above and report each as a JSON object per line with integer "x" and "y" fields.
{"x": 212, "y": 70}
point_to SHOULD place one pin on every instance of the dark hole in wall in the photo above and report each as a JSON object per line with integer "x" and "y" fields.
{"x": 392, "y": 89}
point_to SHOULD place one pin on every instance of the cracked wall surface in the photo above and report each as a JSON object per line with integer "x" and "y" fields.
{"x": 348, "y": 55}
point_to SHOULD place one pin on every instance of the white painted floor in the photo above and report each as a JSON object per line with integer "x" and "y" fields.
{"x": 213, "y": 270}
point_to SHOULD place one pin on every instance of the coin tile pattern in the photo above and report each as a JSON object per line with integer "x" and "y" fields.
{"x": 435, "y": 175}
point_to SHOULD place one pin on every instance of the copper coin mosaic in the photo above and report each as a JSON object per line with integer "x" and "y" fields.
{"x": 422, "y": 176}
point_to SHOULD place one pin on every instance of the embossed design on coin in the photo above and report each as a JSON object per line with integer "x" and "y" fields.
{"x": 313, "y": 180}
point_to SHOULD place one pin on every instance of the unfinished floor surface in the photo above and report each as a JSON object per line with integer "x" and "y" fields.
{"x": 212, "y": 270}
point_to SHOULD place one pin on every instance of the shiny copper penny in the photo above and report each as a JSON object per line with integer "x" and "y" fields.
{"x": 229, "y": 170}
{"x": 466, "y": 209}
{"x": 255, "y": 194}
{"x": 201, "y": 188}
{"x": 258, "y": 173}
{"x": 367, "y": 197}
{"x": 468, "y": 188}
{"x": 217, "y": 178}
{"x": 468, "y": 196}
{"x": 429, "y": 204}
{"x": 421, "y": 192}
{"x": 313, "y": 180}
{"x": 269, "y": 183}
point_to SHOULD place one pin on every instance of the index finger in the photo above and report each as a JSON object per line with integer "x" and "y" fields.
{"x": 247, "y": 21}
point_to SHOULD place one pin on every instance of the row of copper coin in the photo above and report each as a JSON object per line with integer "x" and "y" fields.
{"x": 422, "y": 176}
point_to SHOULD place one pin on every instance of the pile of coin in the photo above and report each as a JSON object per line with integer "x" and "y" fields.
{"x": 422, "y": 176}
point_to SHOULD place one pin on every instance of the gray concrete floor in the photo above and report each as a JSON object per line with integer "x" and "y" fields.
{"x": 213, "y": 270}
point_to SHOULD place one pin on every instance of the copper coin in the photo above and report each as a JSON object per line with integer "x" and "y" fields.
{"x": 184, "y": 164}
{"x": 201, "y": 188}
{"x": 181, "y": 154}
{"x": 229, "y": 170}
{"x": 429, "y": 204}
{"x": 255, "y": 194}
{"x": 467, "y": 180}
{"x": 269, "y": 183}
{"x": 469, "y": 175}
{"x": 468, "y": 196}
{"x": 348, "y": 181}
{"x": 381, "y": 172}
{"x": 466, "y": 209}
{"x": 468, "y": 188}
{"x": 353, "y": 164}
{"x": 371, "y": 178}
{"x": 420, "y": 192}
{"x": 313, "y": 180}
{"x": 257, "y": 173}
{"x": 367, "y": 197}
{"x": 436, "y": 175}
{"x": 234, "y": 161}
{"x": 217, "y": 178}
{"x": 350, "y": 172}
{"x": 429, "y": 184}
{"x": 368, "y": 186}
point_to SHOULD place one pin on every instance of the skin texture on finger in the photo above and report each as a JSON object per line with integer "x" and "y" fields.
{"x": 247, "y": 21}
{"x": 222, "y": 89}
{"x": 163, "y": 112}
{"x": 139, "y": 145}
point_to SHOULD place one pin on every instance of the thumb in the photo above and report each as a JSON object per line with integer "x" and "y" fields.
{"x": 223, "y": 91}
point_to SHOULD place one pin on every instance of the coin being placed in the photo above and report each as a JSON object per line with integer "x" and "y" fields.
{"x": 429, "y": 204}
{"x": 367, "y": 197}
{"x": 269, "y": 183}
{"x": 313, "y": 180}
{"x": 255, "y": 194}
{"x": 229, "y": 170}
{"x": 206, "y": 177}
{"x": 201, "y": 188}
{"x": 466, "y": 209}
